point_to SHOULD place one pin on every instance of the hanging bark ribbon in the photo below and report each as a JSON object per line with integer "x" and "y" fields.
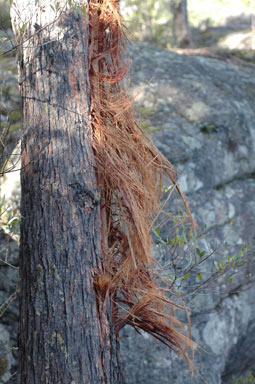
{"x": 130, "y": 170}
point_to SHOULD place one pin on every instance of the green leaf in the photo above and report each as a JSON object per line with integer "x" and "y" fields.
{"x": 231, "y": 223}
{"x": 84, "y": 10}
{"x": 235, "y": 259}
{"x": 156, "y": 231}
{"x": 13, "y": 222}
{"x": 216, "y": 265}
{"x": 181, "y": 241}
{"x": 240, "y": 265}
{"x": 22, "y": 28}
{"x": 199, "y": 276}
{"x": 184, "y": 237}
{"x": 185, "y": 276}
{"x": 231, "y": 279}
{"x": 200, "y": 253}
{"x": 70, "y": 3}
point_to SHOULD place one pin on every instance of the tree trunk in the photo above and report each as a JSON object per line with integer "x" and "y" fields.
{"x": 65, "y": 336}
{"x": 180, "y": 24}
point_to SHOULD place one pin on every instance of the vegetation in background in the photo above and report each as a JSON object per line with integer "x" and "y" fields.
{"x": 5, "y": 20}
{"x": 194, "y": 263}
{"x": 250, "y": 379}
{"x": 217, "y": 12}
{"x": 153, "y": 21}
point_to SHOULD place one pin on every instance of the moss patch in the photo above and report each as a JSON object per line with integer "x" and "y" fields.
{"x": 245, "y": 55}
{"x": 15, "y": 116}
{"x": 145, "y": 112}
{"x": 148, "y": 128}
{"x": 10, "y": 128}
{"x": 208, "y": 128}
{"x": 250, "y": 379}
{"x": 145, "y": 125}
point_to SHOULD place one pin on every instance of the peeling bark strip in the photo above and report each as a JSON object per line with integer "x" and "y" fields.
{"x": 61, "y": 337}
{"x": 129, "y": 170}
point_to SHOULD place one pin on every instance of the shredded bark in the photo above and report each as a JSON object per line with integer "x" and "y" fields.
{"x": 130, "y": 170}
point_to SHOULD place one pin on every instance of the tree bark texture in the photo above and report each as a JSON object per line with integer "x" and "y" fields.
{"x": 65, "y": 336}
{"x": 180, "y": 24}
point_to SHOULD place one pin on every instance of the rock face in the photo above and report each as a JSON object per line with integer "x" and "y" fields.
{"x": 200, "y": 112}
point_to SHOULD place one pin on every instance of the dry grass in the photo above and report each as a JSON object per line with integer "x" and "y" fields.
{"x": 130, "y": 170}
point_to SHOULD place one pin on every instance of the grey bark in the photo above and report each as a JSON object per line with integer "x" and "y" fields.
{"x": 64, "y": 335}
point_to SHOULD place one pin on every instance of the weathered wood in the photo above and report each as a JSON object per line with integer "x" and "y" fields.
{"x": 64, "y": 337}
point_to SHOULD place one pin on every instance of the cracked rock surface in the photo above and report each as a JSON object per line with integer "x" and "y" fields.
{"x": 200, "y": 112}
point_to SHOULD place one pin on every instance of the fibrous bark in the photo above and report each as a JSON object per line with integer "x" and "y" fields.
{"x": 130, "y": 170}
{"x": 63, "y": 336}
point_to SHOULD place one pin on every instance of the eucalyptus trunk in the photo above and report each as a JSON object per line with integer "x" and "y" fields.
{"x": 65, "y": 337}
{"x": 180, "y": 24}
